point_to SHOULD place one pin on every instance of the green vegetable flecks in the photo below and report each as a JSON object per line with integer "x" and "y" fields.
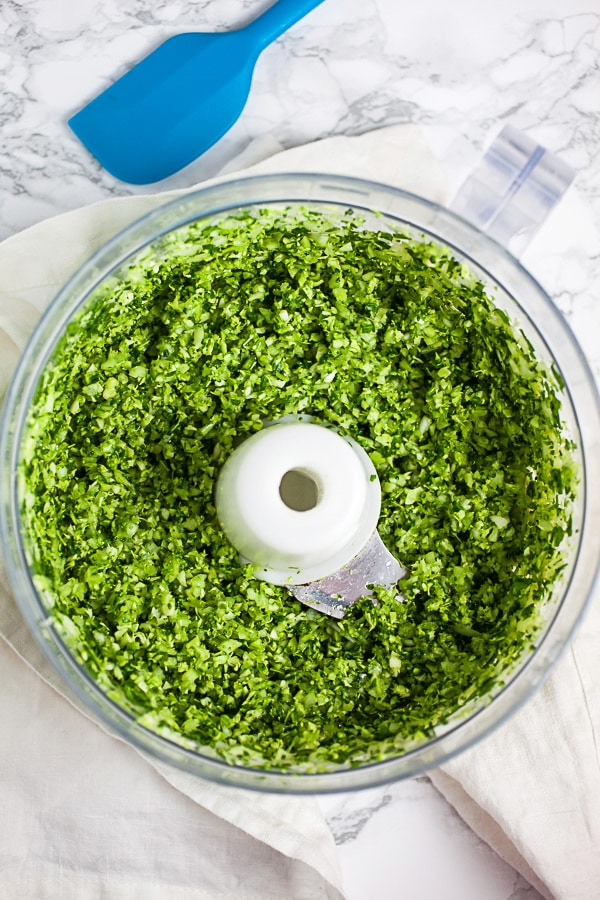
{"x": 244, "y": 321}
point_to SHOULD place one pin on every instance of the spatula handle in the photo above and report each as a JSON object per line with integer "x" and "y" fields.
{"x": 277, "y": 19}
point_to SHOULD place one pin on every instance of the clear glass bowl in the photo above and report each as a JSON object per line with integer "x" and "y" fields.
{"x": 512, "y": 288}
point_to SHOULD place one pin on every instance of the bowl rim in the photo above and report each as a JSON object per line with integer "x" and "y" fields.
{"x": 324, "y": 188}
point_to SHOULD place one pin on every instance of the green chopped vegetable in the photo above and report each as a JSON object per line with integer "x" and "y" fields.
{"x": 242, "y": 321}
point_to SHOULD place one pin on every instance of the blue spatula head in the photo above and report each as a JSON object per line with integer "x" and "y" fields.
{"x": 180, "y": 99}
{"x": 170, "y": 108}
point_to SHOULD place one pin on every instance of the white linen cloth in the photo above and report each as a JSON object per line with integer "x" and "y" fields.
{"x": 85, "y": 816}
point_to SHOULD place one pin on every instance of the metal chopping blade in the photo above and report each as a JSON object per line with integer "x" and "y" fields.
{"x": 335, "y": 593}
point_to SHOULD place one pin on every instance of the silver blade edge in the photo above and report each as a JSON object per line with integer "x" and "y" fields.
{"x": 332, "y": 595}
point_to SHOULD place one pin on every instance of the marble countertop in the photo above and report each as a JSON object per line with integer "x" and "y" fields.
{"x": 460, "y": 70}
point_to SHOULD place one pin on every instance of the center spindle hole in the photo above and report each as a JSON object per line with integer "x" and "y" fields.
{"x": 299, "y": 490}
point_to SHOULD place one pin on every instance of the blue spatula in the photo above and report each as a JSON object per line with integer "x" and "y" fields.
{"x": 179, "y": 100}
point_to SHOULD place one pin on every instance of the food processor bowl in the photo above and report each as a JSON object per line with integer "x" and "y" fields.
{"x": 513, "y": 290}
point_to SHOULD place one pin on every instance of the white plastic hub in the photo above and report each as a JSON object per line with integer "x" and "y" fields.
{"x": 298, "y": 501}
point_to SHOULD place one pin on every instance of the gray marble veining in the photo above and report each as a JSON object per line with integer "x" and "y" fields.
{"x": 346, "y": 68}
{"x": 404, "y": 840}
{"x": 459, "y": 70}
